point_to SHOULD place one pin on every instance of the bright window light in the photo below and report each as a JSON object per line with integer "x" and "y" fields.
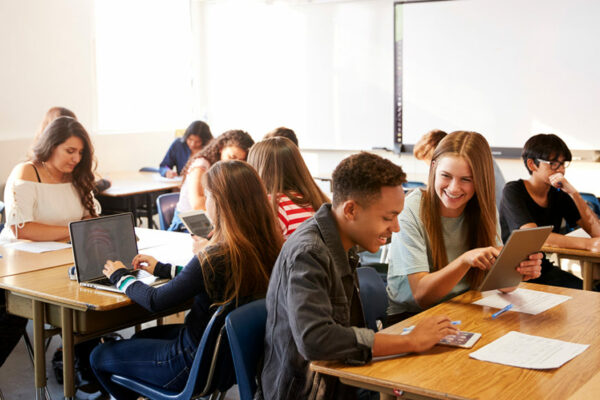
{"x": 143, "y": 65}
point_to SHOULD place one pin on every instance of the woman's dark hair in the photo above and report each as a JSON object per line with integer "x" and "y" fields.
{"x": 545, "y": 146}
{"x": 282, "y": 131}
{"x": 82, "y": 177}
{"x": 200, "y": 129}
{"x": 212, "y": 152}
{"x": 50, "y": 116}
{"x": 247, "y": 235}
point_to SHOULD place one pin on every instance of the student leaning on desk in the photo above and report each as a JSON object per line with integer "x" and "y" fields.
{"x": 548, "y": 198}
{"x": 449, "y": 233}
{"x": 43, "y": 195}
{"x": 234, "y": 266}
{"x": 314, "y": 311}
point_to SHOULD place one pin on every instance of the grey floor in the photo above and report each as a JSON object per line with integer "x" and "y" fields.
{"x": 17, "y": 379}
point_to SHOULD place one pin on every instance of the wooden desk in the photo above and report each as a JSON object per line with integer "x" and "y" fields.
{"x": 446, "y": 372}
{"x": 46, "y": 295}
{"x": 17, "y": 262}
{"x": 587, "y": 258}
{"x": 132, "y": 186}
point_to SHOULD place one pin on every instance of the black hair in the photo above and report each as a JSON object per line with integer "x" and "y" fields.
{"x": 545, "y": 146}
{"x": 200, "y": 129}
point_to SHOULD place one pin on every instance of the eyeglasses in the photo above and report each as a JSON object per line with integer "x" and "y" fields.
{"x": 555, "y": 165}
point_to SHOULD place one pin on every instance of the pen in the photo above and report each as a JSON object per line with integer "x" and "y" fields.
{"x": 410, "y": 328}
{"x": 505, "y": 309}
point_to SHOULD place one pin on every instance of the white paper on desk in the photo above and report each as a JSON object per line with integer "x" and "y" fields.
{"x": 526, "y": 351}
{"x": 579, "y": 232}
{"x": 523, "y": 300}
{"x": 147, "y": 239}
{"x": 160, "y": 178}
{"x": 40, "y": 247}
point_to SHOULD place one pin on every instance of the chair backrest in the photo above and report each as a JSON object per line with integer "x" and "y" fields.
{"x": 165, "y": 204}
{"x": 1, "y": 215}
{"x": 373, "y": 296}
{"x": 592, "y": 201}
{"x": 149, "y": 169}
{"x": 413, "y": 184}
{"x": 246, "y": 332}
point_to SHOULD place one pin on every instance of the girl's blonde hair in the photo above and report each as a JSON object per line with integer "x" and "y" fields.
{"x": 480, "y": 211}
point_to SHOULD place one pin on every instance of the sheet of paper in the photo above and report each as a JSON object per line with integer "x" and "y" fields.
{"x": 526, "y": 351}
{"x": 523, "y": 300}
{"x": 39, "y": 247}
{"x": 159, "y": 178}
{"x": 579, "y": 232}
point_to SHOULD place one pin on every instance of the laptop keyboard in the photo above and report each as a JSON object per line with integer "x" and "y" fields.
{"x": 103, "y": 281}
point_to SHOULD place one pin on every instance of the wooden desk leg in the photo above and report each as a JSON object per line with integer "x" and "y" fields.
{"x": 588, "y": 275}
{"x": 39, "y": 356}
{"x": 67, "y": 338}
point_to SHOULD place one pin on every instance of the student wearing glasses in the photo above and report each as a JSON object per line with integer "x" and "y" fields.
{"x": 548, "y": 198}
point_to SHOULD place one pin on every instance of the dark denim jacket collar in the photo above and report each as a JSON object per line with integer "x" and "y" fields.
{"x": 331, "y": 236}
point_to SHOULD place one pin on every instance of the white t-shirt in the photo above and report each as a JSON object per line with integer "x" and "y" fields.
{"x": 410, "y": 253}
{"x": 184, "y": 203}
{"x": 45, "y": 203}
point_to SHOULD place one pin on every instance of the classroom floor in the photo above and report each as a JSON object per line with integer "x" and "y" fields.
{"x": 17, "y": 380}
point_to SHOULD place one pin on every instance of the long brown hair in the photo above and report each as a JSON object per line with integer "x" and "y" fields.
{"x": 246, "y": 234}
{"x": 82, "y": 177}
{"x": 50, "y": 116}
{"x": 282, "y": 169}
{"x": 480, "y": 211}
{"x": 212, "y": 151}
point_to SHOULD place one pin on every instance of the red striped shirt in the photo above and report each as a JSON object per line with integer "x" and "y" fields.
{"x": 291, "y": 215}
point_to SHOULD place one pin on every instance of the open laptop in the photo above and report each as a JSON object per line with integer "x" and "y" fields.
{"x": 100, "y": 239}
{"x": 520, "y": 244}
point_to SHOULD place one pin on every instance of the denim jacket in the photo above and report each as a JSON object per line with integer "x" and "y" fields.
{"x": 313, "y": 313}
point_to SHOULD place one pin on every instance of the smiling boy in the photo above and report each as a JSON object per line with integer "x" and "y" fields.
{"x": 546, "y": 198}
{"x": 314, "y": 310}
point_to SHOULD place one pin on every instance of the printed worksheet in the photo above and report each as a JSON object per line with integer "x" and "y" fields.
{"x": 523, "y": 300}
{"x": 526, "y": 351}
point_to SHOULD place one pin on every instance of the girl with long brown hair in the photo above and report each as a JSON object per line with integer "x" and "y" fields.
{"x": 293, "y": 193}
{"x": 234, "y": 266}
{"x": 449, "y": 232}
{"x": 54, "y": 187}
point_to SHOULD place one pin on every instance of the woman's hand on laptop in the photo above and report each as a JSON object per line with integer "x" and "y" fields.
{"x": 147, "y": 263}
{"x": 111, "y": 266}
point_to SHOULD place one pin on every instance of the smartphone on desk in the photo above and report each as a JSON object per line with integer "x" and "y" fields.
{"x": 462, "y": 339}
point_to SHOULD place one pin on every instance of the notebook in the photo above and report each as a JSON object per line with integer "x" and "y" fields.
{"x": 96, "y": 240}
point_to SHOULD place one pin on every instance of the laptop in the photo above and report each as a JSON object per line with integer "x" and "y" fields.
{"x": 520, "y": 244}
{"x": 96, "y": 240}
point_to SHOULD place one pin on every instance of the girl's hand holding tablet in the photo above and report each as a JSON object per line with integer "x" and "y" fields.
{"x": 482, "y": 258}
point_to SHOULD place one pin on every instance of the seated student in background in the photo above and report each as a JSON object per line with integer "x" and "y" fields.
{"x": 231, "y": 145}
{"x": 293, "y": 193}
{"x": 449, "y": 233}
{"x": 100, "y": 184}
{"x": 314, "y": 310}
{"x": 43, "y": 195}
{"x": 233, "y": 266}
{"x": 195, "y": 138}
{"x": 425, "y": 147}
{"x": 283, "y": 132}
{"x": 546, "y": 198}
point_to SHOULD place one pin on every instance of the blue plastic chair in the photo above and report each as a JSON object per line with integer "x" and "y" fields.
{"x": 246, "y": 332}
{"x": 149, "y": 169}
{"x": 165, "y": 204}
{"x": 211, "y": 371}
{"x": 1, "y": 215}
{"x": 373, "y": 296}
{"x": 412, "y": 184}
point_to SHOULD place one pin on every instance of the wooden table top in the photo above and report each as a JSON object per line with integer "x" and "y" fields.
{"x": 592, "y": 255}
{"x": 18, "y": 262}
{"x": 53, "y": 285}
{"x": 128, "y": 183}
{"x": 448, "y": 372}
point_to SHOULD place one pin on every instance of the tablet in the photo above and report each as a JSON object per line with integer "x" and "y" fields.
{"x": 196, "y": 222}
{"x": 520, "y": 244}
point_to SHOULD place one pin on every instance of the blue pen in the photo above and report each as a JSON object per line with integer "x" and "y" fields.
{"x": 410, "y": 328}
{"x": 505, "y": 309}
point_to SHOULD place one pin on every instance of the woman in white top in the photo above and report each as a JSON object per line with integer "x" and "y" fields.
{"x": 54, "y": 188}
{"x": 449, "y": 234}
{"x": 231, "y": 145}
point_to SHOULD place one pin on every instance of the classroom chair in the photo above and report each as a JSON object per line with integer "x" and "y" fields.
{"x": 373, "y": 296}
{"x": 1, "y": 215}
{"x": 149, "y": 169}
{"x": 246, "y": 332}
{"x": 412, "y": 184}
{"x": 592, "y": 201}
{"x": 211, "y": 372}
{"x": 165, "y": 204}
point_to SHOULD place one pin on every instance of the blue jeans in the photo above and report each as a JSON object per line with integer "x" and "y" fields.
{"x": 160, "y": 356}
{"x": 177, "y": 224}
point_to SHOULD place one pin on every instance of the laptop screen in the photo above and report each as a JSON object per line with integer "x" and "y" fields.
{"x": 100, "y": 239}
